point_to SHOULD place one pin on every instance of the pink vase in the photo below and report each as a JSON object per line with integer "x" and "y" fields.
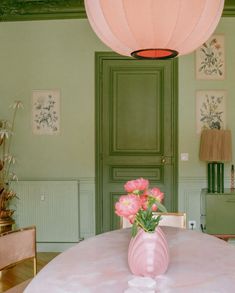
{"x": 148, "y": 253}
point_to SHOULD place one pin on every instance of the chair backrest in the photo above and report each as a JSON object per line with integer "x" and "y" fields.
{"x": 172, "y": 219}
{"x": 167, "y": 219}
{"x": 17, "y": 246}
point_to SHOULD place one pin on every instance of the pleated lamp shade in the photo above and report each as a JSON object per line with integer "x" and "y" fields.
{"x": 216, "y": 145}
{"x": 154, "y": 29}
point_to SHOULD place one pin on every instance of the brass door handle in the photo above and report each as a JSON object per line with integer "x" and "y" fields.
{"x": 163, "y": 160}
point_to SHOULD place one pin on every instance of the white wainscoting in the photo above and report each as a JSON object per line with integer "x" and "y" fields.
{"x": 189, "y": 198}
{"x": 62, "y": 210}
{"x": 87, "y": 207}
{"x": 53, "y": 207}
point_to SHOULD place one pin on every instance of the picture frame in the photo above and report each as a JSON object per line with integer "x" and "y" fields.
{"x": 46, "y": 112}
{"x": 210, "y": 109}
{"x": 210, "y": 59}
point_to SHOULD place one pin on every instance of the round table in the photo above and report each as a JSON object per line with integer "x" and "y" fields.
{"x": 198, "y": 263}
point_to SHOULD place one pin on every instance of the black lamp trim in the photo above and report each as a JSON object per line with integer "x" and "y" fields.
{"x": 172, "y": 54}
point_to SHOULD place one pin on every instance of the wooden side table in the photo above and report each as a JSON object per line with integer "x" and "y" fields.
{"x": 218, "y": 213}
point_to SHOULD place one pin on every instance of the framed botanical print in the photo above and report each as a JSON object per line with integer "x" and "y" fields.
{"x": 210, "y": 109}
{"x": 210, "y": 59}
{"x": 46, "y": 111}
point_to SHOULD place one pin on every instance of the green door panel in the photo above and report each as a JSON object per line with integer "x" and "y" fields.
{"x": 136, "y": 130}
{"x": 135, "y": 122}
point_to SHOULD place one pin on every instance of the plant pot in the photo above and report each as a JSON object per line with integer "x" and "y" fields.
{"x": 148, "y": 253}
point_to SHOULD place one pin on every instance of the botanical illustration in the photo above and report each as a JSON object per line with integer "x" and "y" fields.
{"x": 210, "y": 110}
{"x": 210, "y": 59}
{"x": 45, "y": 112}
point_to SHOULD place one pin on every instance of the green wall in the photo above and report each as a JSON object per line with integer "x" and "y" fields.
{"x": 59, "y": 54}
{"x": 51, "y": 55}
{"x": 188, "y": 85}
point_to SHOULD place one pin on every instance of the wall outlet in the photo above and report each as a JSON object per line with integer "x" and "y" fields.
{"x": 184, "y": 156}
{"x": 192, "y": 225}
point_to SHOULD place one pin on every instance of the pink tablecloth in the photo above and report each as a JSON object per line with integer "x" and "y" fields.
{"x": 198, "y": 263}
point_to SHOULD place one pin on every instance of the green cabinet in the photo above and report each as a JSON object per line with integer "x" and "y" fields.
{"x": 218, "y": 212}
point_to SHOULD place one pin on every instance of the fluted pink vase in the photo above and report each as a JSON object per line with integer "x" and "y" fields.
{"x": 148, "y": 253}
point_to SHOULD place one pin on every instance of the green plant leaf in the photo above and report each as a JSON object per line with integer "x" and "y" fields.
{"x": 161, "y": 207}
{"x": 134, "y": 229}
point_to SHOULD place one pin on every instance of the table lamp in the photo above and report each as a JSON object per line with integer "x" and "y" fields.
{"x": 215, "y": 148}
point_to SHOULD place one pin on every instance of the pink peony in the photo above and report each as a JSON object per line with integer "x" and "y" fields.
{"x": 144, "y": 201}
{"x": 156, "y": 193}
{"x": 136, "y": 185}
{"x": 140, "y": 204}
{"x": 154, "y": 207}
{"x": 132, "y": 219}
{"x": 128, "y": 205}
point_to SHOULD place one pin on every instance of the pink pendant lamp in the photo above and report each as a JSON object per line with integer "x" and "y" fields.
{"x": 154, "y": 29}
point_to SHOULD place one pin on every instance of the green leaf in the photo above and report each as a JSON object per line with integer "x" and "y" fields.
{"x": 161, "y": 207}
{"x": 134, "y": 229}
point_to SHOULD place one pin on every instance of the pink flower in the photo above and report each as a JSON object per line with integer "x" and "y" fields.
{"x": 136, "y": 185}
{"x": 154, "y": 207}
{"x": 131, "y": 219}
{"x": 144, "y": 201}
{"x": 140, "y": 204}
{"x": 156, "y": 193}
{"x": 128, "y": 205}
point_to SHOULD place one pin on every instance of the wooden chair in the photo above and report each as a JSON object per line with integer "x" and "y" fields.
{"x": 172, "y": 219}
{"x": 167, "y": 219}
{"x": 16, "y": 247}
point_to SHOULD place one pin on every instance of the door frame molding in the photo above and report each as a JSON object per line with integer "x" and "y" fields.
{"x": 99, "y": 59}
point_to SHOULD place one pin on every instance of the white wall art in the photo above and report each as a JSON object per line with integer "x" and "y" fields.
{"x": 46, "y": 112}
{"x": 210, "y": 59}
{"x": 210, "y": 109}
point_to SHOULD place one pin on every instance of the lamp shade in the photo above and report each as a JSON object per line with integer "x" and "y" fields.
{"x": 216, "y": 145}
{"x": 154, "y": 29}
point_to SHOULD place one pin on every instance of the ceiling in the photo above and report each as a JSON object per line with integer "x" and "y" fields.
{"x": 14, "y": 10}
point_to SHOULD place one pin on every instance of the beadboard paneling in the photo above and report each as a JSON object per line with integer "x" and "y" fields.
{"x": 50, "y": 205}
{"x": 87, "y": 207}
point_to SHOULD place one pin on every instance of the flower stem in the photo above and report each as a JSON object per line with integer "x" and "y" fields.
{"x": 9, "y": 143}
{"x": 139, "y": 224}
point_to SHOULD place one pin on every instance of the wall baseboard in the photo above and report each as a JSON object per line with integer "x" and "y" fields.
{"x": 54, "y": 246}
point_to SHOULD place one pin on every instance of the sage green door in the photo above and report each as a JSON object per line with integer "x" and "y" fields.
{"x": 136, "y": 130}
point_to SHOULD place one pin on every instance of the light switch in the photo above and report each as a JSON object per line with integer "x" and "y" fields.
{"x": 43, "y": 197}
{"x": 184, "y": 156}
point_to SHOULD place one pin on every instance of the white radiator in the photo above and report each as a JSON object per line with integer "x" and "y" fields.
{"x": 52, "y": 206}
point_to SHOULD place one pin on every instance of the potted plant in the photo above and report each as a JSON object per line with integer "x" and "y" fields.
{"x": 7, "y": 160}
